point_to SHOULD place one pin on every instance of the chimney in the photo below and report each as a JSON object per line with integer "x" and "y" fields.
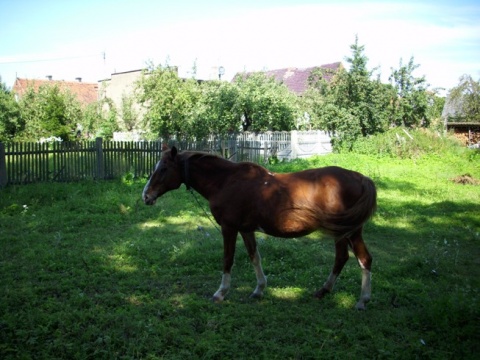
{"x": 79, "y": 79}
{"x": 49, "y": 77}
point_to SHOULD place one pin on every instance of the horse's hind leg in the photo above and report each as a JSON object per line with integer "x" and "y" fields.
{"x": 341, "y": 257}
{"x": 255, "y": 258}
{"x": 365, "y": 261}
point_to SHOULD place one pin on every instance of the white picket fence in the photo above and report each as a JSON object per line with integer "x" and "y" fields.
{"x": 285, "y": 145}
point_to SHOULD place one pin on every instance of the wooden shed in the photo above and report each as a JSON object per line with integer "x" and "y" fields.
{"x": 467, "y": 132}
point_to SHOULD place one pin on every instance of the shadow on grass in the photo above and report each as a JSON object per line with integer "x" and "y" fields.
{"x": 98, "y": 274}
{"x": 411, "y": 242}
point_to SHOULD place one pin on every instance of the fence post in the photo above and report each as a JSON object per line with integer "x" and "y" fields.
{"x": 3, "y": 166}
{"x": 294, "y": 144}
{"x": 99, "y": 151}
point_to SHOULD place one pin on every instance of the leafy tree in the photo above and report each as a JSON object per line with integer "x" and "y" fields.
{"x": 351, "y": 104}
{"x": 411, "y": 102}
{"x": 217, "y": 109}
{"x": 49, "y": 112}
{"x": 169, "y": 102}
{"x": 265, "y": 104}
{"x": 463, "y": 101}
{"x": 366, "y": 99}
{"x": 129, "y": 114}
{"x": 436, "y": 105}
{"x": 107, "y": 123}
{"x": 11, "y": 123}
{"x": 189, "y": 109}
{"x": 91, "y": 120}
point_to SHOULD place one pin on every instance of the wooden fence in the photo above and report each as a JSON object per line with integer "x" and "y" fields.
{"x": 22, "y": 163}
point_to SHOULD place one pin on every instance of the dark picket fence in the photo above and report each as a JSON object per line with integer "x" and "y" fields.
{"x": 29, "y": 162}
{"x": 22, "y": 163}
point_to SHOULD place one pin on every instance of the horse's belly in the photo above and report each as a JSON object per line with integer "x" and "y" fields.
{"x": 287, "y": 228}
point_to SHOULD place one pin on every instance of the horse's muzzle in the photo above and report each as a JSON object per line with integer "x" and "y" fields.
{"x": 149, "y": 200}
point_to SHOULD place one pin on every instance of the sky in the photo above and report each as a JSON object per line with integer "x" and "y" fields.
{"x": 92, "y": 39}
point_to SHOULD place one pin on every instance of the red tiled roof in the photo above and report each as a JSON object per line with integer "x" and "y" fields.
{"x": 86, "y": 93}
{"x": 297, "y": 79}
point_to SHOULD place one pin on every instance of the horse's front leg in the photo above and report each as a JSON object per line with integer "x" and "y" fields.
{"x": 256, "y": 259}
{"x": 229, "y": 241}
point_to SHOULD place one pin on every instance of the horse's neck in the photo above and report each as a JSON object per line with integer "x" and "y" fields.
{"x": 206, "y": 175}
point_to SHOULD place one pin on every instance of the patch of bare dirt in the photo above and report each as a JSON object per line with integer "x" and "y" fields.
{"x": 466, "y": 179}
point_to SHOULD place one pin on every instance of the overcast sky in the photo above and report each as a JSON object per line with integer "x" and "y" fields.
{"x": 94, "y": 38}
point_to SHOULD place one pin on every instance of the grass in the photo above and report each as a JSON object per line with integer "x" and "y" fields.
{"x": 88, "y": 271}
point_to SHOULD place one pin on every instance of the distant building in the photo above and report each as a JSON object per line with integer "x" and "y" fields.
{"x": 297, "y": 79}
{"x": 86, "y": 93}
{"x": 119, "y": 85}
{"x": 464, "y": 129}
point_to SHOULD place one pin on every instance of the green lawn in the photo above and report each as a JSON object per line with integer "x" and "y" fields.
{"x": 89, "y": 272}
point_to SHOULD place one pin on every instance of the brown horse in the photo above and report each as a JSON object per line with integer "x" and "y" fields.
{"x": 245, "y": 197}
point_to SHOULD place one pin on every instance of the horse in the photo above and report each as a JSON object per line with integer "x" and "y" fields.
{"x": 246, "y": 198}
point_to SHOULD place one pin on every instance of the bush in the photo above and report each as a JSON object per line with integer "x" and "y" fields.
{"x": 407, "y": 144}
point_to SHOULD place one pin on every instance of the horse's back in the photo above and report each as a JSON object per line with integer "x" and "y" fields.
{"x": 294, "y": 204}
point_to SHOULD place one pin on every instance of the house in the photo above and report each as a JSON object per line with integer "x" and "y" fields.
{"x": 86, "y": 93}
{"x": 119, "y": 85}
{"x": 297, "y": 79}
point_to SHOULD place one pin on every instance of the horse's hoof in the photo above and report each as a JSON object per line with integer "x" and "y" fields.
{"x": 217, "y": 299}
{"x": 256, "y": 296}
{"x": 361, "y": 306}
{"x": 321, "y": 293}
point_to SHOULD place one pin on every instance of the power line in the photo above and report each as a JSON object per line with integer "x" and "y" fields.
{"x": 52, "y": 59}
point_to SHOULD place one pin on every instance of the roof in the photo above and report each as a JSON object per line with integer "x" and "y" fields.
{"x": 463, "y": 124}
{"x": 86, "y": 93}
{"x": 297, "y": 79}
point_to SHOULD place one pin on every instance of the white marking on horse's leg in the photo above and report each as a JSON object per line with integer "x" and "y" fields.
{"x": 223, "y": 289}
{"x": 261, "y": 279}
{"x": 366, "y": 288}
{"x": 328, "y": 285}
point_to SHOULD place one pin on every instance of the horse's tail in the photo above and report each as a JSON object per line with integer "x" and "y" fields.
{"x": 353, "y": 218}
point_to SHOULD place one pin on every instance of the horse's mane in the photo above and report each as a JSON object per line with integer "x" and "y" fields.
{"x": 187, "y": 155}
{"x": 201, "y": 155}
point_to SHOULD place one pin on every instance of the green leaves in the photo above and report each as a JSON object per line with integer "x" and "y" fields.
{"x": 463, "y": 103}
{"x": 47, "y": 112}
{"x": 10, "y": 120}
{"x": 411, "y": 100}
{"x": 352, "y": 105}
{"x": 169, "y": 102}
{"x": 191, "y": 109}
{"x": 265, "y": 104}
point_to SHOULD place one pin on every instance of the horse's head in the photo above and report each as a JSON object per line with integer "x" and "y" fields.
{"x": 166, "y": 176}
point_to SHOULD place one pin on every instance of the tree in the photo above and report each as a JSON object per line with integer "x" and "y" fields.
{"x": 217, "y": 109}
{"x": 265, "y": 104}
{"x": 169, "y": 102}
{"x": 91, "y": 120}
{"x": 11, "y": 123}
{"x": 463, "y": 101}
{"x": 367, "y": 99}
{"x": 411, "y": 101}
{"x": 351, "y": 104}
{"x": 187, "y": 108}
{"x": 129, "y": 114}
{"x": 49, "y": 112}
{"x": 435, "y": 107}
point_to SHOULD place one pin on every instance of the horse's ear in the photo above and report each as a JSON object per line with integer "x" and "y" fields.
{"x": 164, "y": 146}
{"x": 173, "y": 152}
